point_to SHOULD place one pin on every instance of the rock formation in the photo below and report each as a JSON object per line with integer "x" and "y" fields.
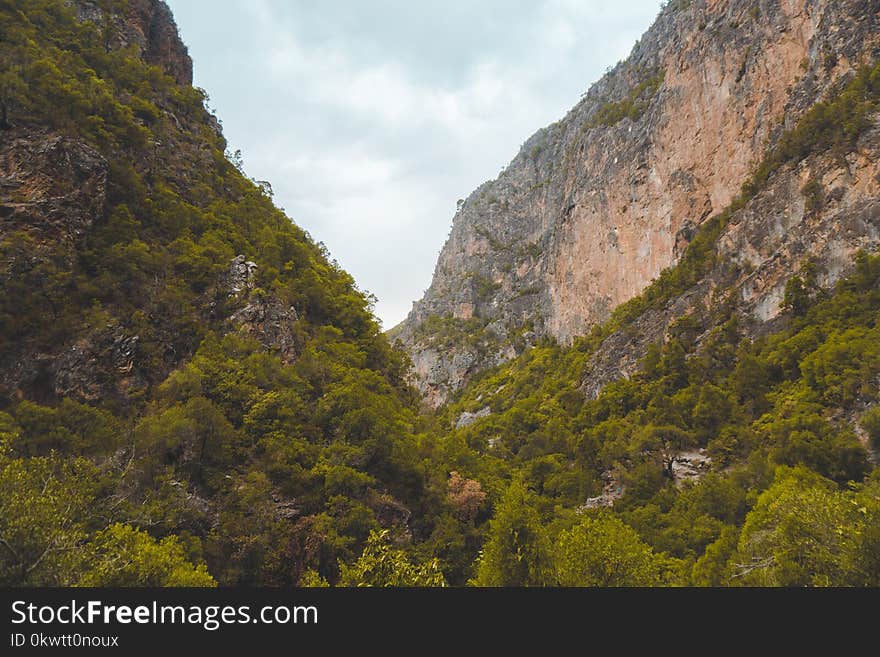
{"x": 595, "y": 206}
{"x": 150, "y": 27}
{"x": 52, "y": 186}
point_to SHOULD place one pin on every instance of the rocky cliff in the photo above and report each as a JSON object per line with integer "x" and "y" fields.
{"x": 594, "y": 207}
{"x": 818, "y": 213}
{"x": 149, "y": 27}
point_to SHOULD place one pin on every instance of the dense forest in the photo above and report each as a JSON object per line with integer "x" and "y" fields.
{"x": 264, "y": 432}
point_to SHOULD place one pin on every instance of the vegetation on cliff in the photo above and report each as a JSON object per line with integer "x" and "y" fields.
{"x": 221, "y": 452}
{"x": 228, "y": 458}
{"x": 771, "y": 413}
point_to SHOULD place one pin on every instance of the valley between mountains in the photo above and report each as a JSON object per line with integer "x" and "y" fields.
{"x": 649, "y": 355}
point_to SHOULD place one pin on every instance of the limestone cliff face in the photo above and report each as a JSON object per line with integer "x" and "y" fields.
{"x": 595, "y": 206}
{"x": 766, "y": 243}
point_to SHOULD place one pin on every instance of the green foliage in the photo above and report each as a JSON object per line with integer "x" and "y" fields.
{"x": 251, "y": 544}
{"x": 484, "y": 287}
{"x": 752, "y": 406}
{"x": 266, "y": 464}
{"x": 516, "y": 552}
{"x": 195, "y": 435}
{"x": 123, "y": 556}
{"x": 832, "y": 125}
{"x": 602, "y": 551}
{"x": 445, "y": 332}
{"x": 677, "y": 5}
{"x": 814, "y": 194}
{"x": 841, "y": 369}
{"x": 164, "y": 240}
{"x": 531, "y": 250}
{"x": 800, "y": 290}
{"x": 805, "y": 532}
{"x": 50, "y": 512}
{"x": 235, "y": 462}
{"x": 44, "y": 503}
{"x": 382, "y": 565}
{"x": 311, "y": 579}
{"x": 714, "y": 567}
{"x": 72, "y": 427}
{"x": 494, "y": 243}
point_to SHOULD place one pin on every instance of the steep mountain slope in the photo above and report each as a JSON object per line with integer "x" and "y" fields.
{"x": 594, "y": 207}
{"x": 739, "y": 448}
{"x": 175, "y": 355}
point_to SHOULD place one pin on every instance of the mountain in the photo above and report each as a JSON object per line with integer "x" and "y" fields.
{"x": 176, "y": 356}
{"x": 720, "y": 425}
{"x": 652, "y": 345}
{"x": 596, "y": 206}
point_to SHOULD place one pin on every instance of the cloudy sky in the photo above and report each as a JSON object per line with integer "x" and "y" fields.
{"x": 371, "y": 118}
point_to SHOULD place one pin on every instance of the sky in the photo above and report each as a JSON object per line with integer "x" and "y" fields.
{"x": 371, "y": 119}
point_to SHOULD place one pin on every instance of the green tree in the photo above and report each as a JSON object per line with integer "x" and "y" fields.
{"x": 865, "y": 560}
{"x": 800, "y": 289}
{"x": 44, "y": 503}
{"x": 800, "y": 533}
{"x": 124, "y": 556}
{"x": 602, "y": 551}
{"x": 252, "y": 544}
{"x": 382, "y": 565}
{"x": 714, "y": 568}
{"x": 516, "y": 552}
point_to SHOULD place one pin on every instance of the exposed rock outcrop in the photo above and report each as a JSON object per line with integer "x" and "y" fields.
{"x": 766, "y": 243}
{"x": 51, "y": 185}
{"x": 272, "y": 323}
{"x": 239, "y": 276}
{"x": 690, "y": 466}
{"x": 98, "y": 366}
{"x": 263, "y": 316}
{"x": 467, "y": 418}
{"x": 595, "y": 206}
{"x": 150, "y": 27}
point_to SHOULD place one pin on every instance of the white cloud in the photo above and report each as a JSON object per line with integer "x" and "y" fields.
{"x": 371, "y": 119}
